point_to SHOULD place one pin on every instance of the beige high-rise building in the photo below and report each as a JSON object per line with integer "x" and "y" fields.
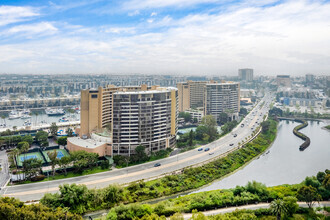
{"x": 118, "y": 119}
{"x": 183, "y": 96}
{"x": 191, "y": 94}
{"x": 283, "y": 80}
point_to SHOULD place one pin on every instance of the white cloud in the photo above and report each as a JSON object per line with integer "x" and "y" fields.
{"x": 292, "y": 38}
{"x": 138, "y": 4}
{"x": 153, "y": 14}
{"x": 13, "y": 14}
{"x": 37, "y": 28}
{"x": 120, "y": 30}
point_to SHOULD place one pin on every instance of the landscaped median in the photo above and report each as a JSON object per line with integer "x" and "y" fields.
{"x": 191, "y": 178}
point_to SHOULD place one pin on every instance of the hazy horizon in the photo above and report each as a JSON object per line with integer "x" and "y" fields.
{"x": 167, "y": 37}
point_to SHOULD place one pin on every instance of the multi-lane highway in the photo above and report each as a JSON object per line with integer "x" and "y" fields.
{"x": 219, "y": 147}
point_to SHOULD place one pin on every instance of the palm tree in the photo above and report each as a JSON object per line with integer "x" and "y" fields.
{"x": 53, "y": 158}
{"x": 278, "y": 207}
{"x": 15, "y": 153}
{"x": 25, "y": 149}
{"x": 3, "y": 118}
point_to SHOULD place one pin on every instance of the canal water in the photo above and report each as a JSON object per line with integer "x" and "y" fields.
{"x": 285, "y": 164}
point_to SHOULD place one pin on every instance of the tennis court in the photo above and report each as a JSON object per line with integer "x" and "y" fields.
{"x": 20, "y": 158}
{"x": 60, "y": 153}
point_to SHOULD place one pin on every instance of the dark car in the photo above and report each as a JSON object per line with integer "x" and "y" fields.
{"x": 157, "y": 165}
{"x": 207, "y": 149}
{"x": 235, "y": 135}
{"x": 231, "y": 144}
{"x": 200, "y": 149}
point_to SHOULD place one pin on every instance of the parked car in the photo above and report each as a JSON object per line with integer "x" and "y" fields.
{"x": 200, "y": 149}
{"x": 231, "y": 144}
{"x": 207, "y": 149}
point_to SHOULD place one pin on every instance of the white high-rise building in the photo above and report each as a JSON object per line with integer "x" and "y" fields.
{"x": 222, "y": 97}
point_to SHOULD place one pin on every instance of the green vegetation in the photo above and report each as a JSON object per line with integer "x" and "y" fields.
{"x": 58, "y": 176}
{"x": 205, "y": 133}
{"x": 140, "y": 157}
{"x": 10, "y": 141}
{"x": 284, "y": 200}
{"x": 79, "y": 162}
{"x": 53, "y": 129}
{"x": 62, "y": 141}
{"x": 279, "y": 112}
{"x": 190, "y": 178}
{"x": 327, "y": 127}
{"x": 186, "y": 116}
{"x": 42, "y": 138}
{"x": 13, "y": 209}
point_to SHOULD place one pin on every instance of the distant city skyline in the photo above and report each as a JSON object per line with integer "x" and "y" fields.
{"x": 188, "y": 37}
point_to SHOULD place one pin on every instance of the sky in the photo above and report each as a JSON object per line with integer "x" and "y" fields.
{"x": 178, "y": 37}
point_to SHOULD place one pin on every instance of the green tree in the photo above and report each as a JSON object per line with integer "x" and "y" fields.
{"x": 320, "y": 176}
{"x": 53, "y": 159}
{"x": 64, "y": 162}
{"x": 42, "y": 138}
{"x": 69, "y": 132}
{"x": 326, "y": 182}
{"x": 191, "y": 138}
{"x": 53, "y": 129}
{"x": 31, "y": 167}
{"x": 265, "y": 126}
{"x": 140, "y": 153}
{"x": 308, "y": 194}
{"x": 74, "y": 196}
{"x": 62, "y": 141}
{"x": 223, "y": 118}
{"x": 113, "y": 194}
{"x": 209, "y": 122}
{"x": 186, "y": 116}
{"x": 177, "y": 216}
{"x": 291, "y": 205}
{"x": 243, "y": 111}
{"x": 28, "y": 138}
{"x": 25, "y": 148}
{"x": 21, "y": 144}
{"x": 13, "y": 209}
{"x": 278, "y": 208}
{"x": 200, "y": 131}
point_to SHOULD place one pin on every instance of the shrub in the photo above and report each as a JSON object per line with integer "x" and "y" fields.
{"x": 38, "y": 178}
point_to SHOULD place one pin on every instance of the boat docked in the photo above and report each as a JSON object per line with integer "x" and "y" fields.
{"x": 54, "y": 112}
{"x": 25, "y": 116}
{"x": 12, "y": 117}
{"x": 26, "y": 111}
{"x": 63, "y": 119}
{"x": 27, "y": 123}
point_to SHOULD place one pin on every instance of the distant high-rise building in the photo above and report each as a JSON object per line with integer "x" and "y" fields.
{"x": 283, "y": 80}
{"x": 310, "y": 78}
{"x": 115, "y": 120}
{"x": 246, "y": 74}
{"x": 222, "y": 97}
